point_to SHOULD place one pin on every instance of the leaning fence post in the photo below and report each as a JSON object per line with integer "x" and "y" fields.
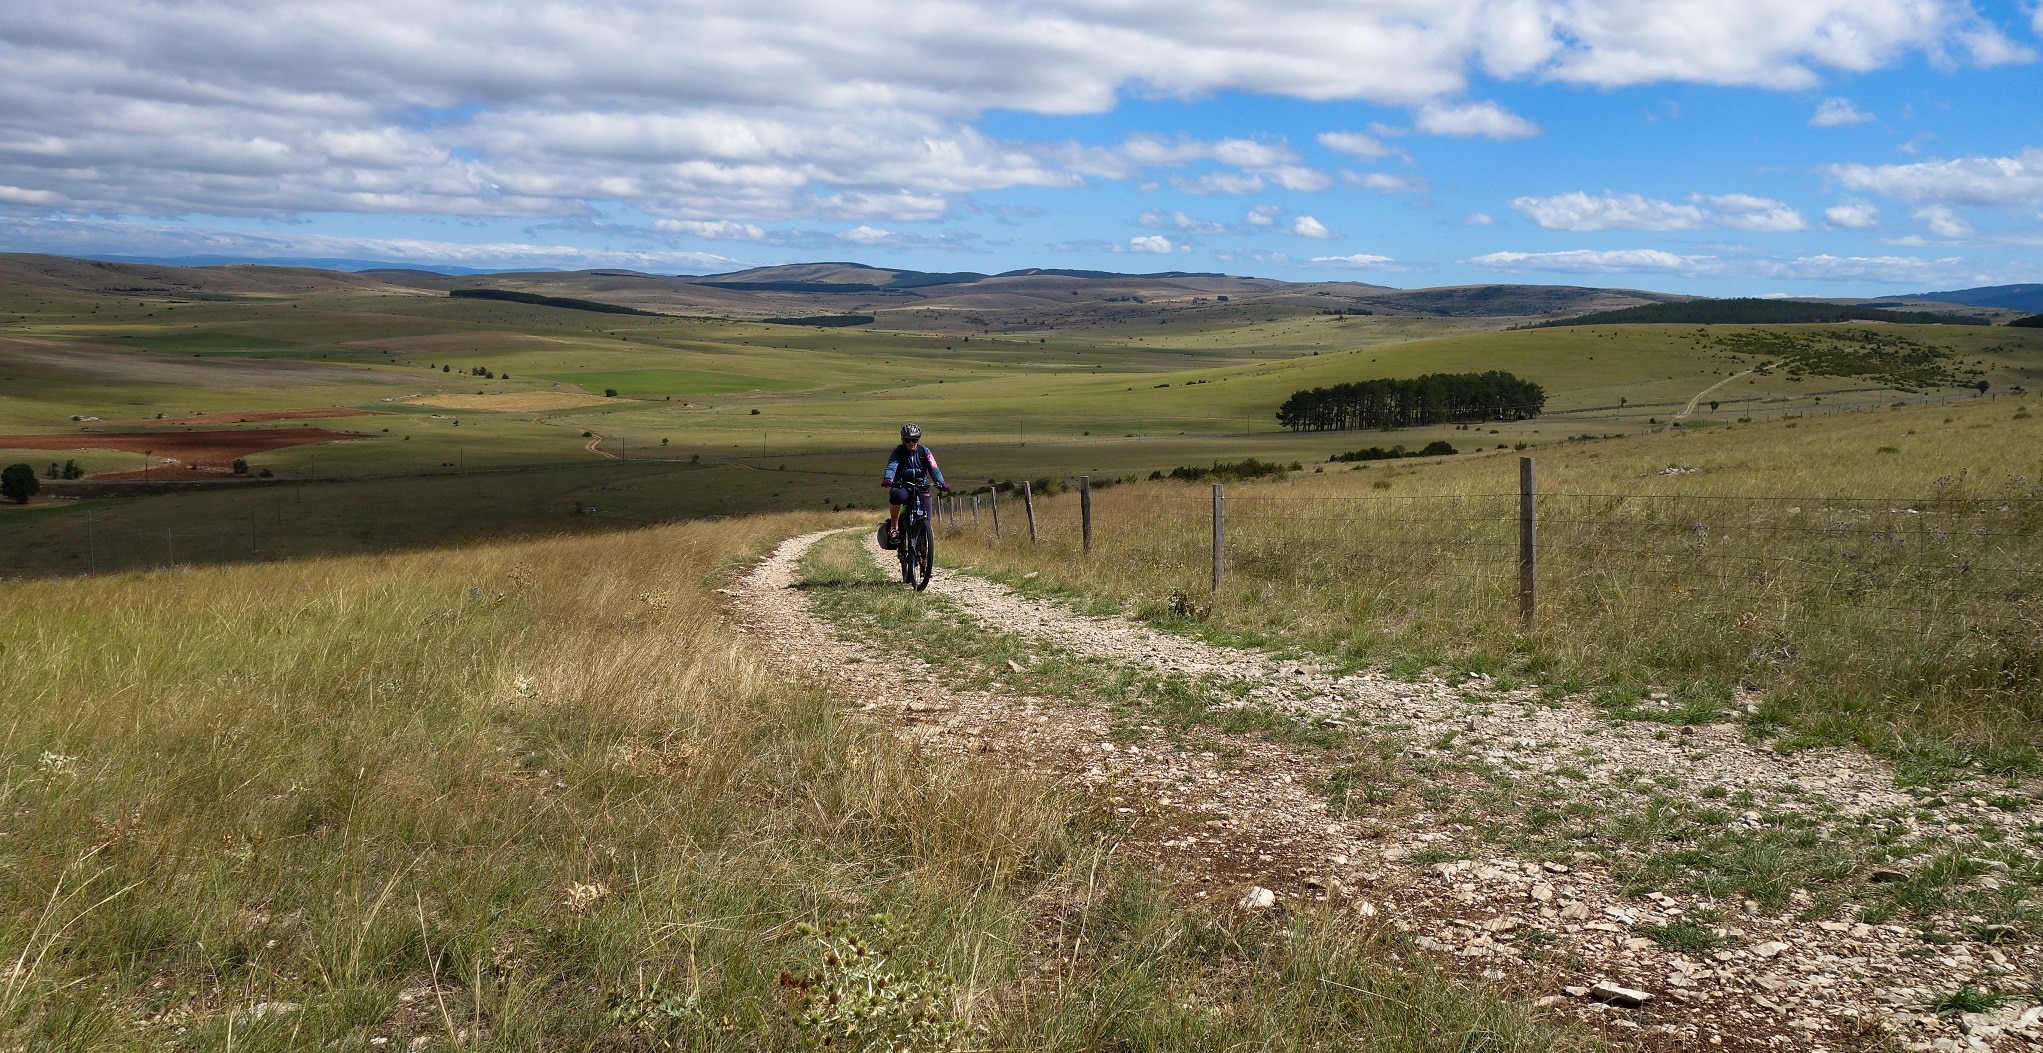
{"x": 993, "y": 501}
{"x": 1528, "y": 560}
{"x": 1085, "y": 511}
{"x": 1219, "y": 534}
{"x": 1029, "y": 506}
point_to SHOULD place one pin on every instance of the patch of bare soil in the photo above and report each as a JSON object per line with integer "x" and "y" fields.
{"x": 1647, "y": 967}
{"x": 179, "y": 454}
{"x": 258, "y": 416}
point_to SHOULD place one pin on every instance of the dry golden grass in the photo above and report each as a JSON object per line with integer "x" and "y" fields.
{"x": 1871, "y": 573}
{"x": 542, "y": 796}
{"x": 515, "y": 402}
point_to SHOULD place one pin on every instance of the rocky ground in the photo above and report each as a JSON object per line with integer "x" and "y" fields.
{"x": 1521, "y": 833}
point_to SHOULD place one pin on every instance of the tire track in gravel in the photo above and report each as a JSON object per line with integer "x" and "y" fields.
{"x": 1558, "y": 924}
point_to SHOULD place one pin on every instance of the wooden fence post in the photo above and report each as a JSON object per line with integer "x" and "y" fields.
{"x": 1219, "y": 535}
{"x": 993, "y": 500}
{"x": 1085, "y": 511}
{"x": 975, "y": 511}
{"x": 1528, "y": 559}
{"x": 1029, "y": 506}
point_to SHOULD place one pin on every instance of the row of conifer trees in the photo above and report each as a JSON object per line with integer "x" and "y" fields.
{"x": 1435, "y": 398}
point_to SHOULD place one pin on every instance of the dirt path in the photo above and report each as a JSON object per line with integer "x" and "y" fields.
{"x": 595, "y": 440}
{"x": 1690, "y": 408}
{"x": 1723, "y": 973}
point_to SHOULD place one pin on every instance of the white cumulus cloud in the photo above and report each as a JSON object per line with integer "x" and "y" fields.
{"x": 1830, "y": 113}
{"x": 1264, "y": 215}
{"x": 1149, "y": 243}
{"x": 1384, "y": 182}
{"x": 1943, "y": 222}
{"x": 1893, "y": 269}
{"x": 1590, "y": 261}
{"x": 1853, "y": 215}
{"x": 1746, "y": 212}
{"x": 866, "y": 235}
{"x": 1308, "y": 227}
{"x": 718, "y": 229}
{"x": 1360, "y": 259}
{"x": 1356, "y": 144}
{"x": 1478, "y": 219}
{"x": 1159, "y": 219}
{"x": 1579, "y": 211}
{"x": 1973, "y": 181}
{"x": 1219, "y": 183}
{"x": 1486, "y": 119}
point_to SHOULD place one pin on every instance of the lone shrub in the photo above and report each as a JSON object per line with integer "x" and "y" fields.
{"x": 1235, "y": 471}
{"x": 18, "y": 483}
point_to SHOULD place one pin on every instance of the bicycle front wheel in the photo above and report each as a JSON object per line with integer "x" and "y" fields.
{"x": 925, "y": 557}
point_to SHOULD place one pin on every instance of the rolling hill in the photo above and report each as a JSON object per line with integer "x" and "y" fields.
{"x": 2027, "y": 297}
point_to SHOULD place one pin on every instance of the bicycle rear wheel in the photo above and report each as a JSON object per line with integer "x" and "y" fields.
{"x": 925, "y": 557}
{"x": 910, "y": 538}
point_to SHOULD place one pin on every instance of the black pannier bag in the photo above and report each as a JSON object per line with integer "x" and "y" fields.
{"x": 886, "y": 539}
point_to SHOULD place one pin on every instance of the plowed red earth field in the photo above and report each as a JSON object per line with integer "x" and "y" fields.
{"x": 181, "y": 454}
{"x": 254, "y": 416}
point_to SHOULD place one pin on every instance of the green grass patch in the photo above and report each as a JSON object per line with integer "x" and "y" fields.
{"x": 641, "y": 383}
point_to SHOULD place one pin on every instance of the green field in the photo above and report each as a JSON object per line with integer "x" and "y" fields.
{"x": 641, "y": 383}
{"x": 1151, "y": 392}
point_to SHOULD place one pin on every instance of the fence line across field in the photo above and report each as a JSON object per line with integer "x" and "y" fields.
{"x": 1951, "y": 564}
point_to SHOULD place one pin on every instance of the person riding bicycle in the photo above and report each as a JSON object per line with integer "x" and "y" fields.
{"x": 910, "y": 468}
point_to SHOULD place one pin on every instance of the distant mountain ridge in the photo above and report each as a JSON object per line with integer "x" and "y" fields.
{"x": 1754, "y": 311}
{"x": 955, "y": 302}
{"x": 859, "y": 277}
{"x": 2028, "y": 297}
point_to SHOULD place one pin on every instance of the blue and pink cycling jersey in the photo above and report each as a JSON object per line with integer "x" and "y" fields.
{"x": 909, "y": 468}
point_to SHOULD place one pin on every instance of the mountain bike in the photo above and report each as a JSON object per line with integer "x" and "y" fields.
{"x": 917, "y": 549}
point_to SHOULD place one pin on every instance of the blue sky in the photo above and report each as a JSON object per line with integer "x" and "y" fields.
{"x": 1723, "y": 147}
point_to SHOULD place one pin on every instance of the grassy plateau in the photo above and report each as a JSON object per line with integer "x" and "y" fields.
{"x": 438, "y": 729}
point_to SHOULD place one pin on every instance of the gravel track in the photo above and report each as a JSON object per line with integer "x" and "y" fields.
{"x": 1254, "y": 827}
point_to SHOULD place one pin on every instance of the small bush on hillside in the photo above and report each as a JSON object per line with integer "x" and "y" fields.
{"x": 240, "y": 466}
{"x": 1436, "y": 448}
{"x": 18, "y": 483}
{"x": 1235, "y": 471}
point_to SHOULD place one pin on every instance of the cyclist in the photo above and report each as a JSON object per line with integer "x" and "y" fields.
{"x": 909, "y": 468}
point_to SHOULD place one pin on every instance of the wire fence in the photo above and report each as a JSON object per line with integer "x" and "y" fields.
{"x": 1943, "y": 591}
